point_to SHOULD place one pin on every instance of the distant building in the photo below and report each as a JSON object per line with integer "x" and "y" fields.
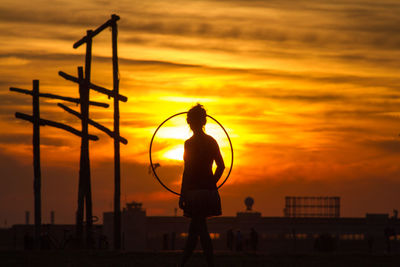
{"x": 376, "y": 233}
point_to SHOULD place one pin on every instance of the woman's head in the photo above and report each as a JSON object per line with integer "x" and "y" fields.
{"x": 197, "y": 117}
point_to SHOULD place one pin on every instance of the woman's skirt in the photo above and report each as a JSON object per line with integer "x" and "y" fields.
{"x": 202, "y": 203}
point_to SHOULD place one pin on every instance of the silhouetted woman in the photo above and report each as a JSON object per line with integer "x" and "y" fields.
{"x": 199, "y": 195}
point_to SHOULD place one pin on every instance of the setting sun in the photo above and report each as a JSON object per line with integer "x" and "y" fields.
{"x": 175, "y": 153}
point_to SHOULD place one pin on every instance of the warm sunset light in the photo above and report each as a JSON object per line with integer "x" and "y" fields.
{"x": 308, "y": 92}
{"x": 175, "y": 154}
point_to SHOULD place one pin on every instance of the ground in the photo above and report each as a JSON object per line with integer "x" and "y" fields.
{"x": 170, "y": 259}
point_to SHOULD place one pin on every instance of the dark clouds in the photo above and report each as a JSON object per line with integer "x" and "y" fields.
{"x": 72, "y": 57}
{"x": 154, "y": 65}
{"x": 26, "y": 139}
{"x": 388, "y": 146}
{"x": 57, "y": 15}
{"x": 318, "y": 24}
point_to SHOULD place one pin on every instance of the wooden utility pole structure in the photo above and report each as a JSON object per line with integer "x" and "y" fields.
{"x": 37, "y": 122}
{"x": 117, "y": 169}
{"x": 84, "y": 190}
{"x": 37, "y": 180}
{"x": 117, "y": 97}
{"x": 84, "y": 92}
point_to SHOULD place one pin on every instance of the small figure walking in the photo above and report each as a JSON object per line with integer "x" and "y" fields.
{"x": 199, "y": 195}
{"x": 239, "y": 241}
{"x": 253, "y": 239}
{"x": 229, "y": 239}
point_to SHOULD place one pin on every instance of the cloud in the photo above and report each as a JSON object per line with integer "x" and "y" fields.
{"x": 137, "y": 122}
{"x": 73, "y": 14}
{"x": 26, "y": 138}
{"x": 337, "y": 129}
{"x": 337, "y": 23}
{"x": 309, "y": 89}
{"x": 264, "y": 74}
{"x": 269, "y": 194}
{"x": 73, "y": 57}
{"x": 13, "y": 99}
{"x": 388, "y": 146}
{"x": 367, "y": 113}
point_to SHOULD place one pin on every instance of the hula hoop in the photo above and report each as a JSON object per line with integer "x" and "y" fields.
{"x": 151, "y": 145}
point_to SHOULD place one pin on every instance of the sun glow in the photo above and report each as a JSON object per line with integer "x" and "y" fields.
{"x": 181, "y": 132}
{"x": 175, "y": 153}
{"x": 169, "y": 141}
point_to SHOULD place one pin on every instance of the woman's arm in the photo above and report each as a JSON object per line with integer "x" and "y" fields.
{"x": 183, "y": 185}
{"x": 220, "y": 164}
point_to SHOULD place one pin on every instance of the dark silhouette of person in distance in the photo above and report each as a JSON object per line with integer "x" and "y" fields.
{"x": 199, "y": 194}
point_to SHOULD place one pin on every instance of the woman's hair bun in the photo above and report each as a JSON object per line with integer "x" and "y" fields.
{"x": 197, "y": 115}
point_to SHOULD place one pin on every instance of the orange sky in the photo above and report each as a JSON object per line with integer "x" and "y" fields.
{"x": 309, "y": 93}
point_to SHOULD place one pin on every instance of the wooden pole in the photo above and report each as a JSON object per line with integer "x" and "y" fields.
{"x": 117, "y": 171}
{"x": 116, "y": 134}
{"x": 82, "y": 172}
{"x": 85, "y": 123}
{"x": 36, "y": 162}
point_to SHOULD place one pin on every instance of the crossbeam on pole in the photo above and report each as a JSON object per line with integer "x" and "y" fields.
{"x": 44, "y": 122}
{"x": 52, "y": 96}
{"x": 93, "y": 123}
{"x": 108, "y": 92}
{"x": 106, "y": 24}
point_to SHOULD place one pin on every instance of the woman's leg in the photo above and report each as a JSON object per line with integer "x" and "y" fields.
{"x": 191, "y": 241}
{"x": 206, "y": 242}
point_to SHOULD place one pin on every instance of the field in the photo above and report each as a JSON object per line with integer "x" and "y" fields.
{"x": 170, "y": 259}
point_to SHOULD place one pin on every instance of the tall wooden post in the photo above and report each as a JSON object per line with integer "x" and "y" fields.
{"x": 84, "y": 173}
{"x": 36, "y": 162}
{"x": 117, "y": 170}
{"x": 82, "y": 166}
{"x": 117, "y": 97}
{"x": 85, "y": 116}
{"x": 84, "y": 170}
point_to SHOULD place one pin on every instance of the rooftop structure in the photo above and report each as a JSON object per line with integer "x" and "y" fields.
{"x": 322, "y": 207}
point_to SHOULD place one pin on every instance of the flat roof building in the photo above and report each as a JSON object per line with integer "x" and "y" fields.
{"x": 247, "y": 231}
{"x": 374, "y": 232}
